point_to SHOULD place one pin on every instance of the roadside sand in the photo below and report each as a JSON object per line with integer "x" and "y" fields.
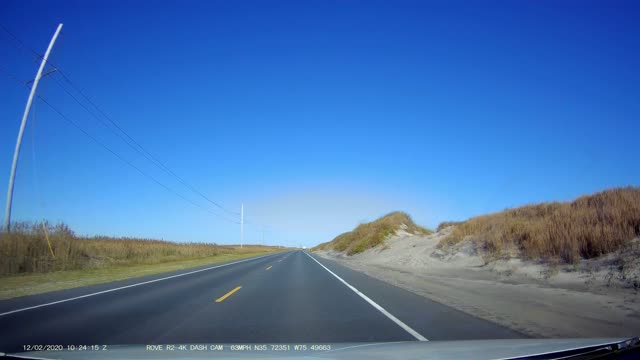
{"x": 583, "y": 300}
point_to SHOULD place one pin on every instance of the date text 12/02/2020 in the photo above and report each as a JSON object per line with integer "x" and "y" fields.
{"x": 53, "y": 347}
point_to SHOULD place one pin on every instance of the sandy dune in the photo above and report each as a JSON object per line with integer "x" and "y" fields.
{"x": 583, "y": 300}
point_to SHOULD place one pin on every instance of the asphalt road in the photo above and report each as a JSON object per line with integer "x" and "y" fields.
{"x": 280, "y": 298}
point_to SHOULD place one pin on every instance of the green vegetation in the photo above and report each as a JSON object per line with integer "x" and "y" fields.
{"x": 372, "y": 234}
{"x": 585, "y": 228}
{"x": 29, "y": 267}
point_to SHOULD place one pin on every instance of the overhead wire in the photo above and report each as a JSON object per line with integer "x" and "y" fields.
{"x": 118, "y": 156}
{"x": 94, "y": 139}
{"x": 140, "y": 149}
{"x": 21, "y": 46}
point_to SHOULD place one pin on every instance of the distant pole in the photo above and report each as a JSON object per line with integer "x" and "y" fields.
{"x": 241, "y": 224}
{"x": 16, "y": 153}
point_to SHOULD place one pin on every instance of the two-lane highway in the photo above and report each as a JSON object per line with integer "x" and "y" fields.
{"x": 285, "y": 297}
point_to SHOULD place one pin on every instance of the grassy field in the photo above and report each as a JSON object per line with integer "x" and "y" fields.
{"x": 372, "y": 234}
{"x": 587, "y": 227}
{"x": 30, "y": 266}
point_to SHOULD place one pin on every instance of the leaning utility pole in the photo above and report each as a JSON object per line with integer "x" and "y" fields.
{"x": 16, "y": 153}
{"x": 241, "y": 224}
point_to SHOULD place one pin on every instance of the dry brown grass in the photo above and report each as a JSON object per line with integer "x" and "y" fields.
{"x": 369, "y": 235}
{"x": 25, "y": 250}
{"x": 588, "y": 227}
{"x": 446, "y": 224}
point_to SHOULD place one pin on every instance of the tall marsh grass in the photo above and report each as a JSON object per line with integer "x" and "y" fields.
{"x": 26, "y": 250}
{"x": 587, "y": 227}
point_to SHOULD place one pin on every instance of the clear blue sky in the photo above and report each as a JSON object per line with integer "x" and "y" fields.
{"x": 320, "y": 114}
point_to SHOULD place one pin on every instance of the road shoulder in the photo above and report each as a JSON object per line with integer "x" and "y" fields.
{"x": 433, "y": 320}
{"x": 532, "y": 309}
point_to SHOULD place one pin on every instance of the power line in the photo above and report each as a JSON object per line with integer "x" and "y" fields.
{"x": 94, "y": 139}
{"x": 130, "y": 141}
{"x": 139, "y": 149}
{"x": 98, "y": 142}
{"x": 21, "y": 46}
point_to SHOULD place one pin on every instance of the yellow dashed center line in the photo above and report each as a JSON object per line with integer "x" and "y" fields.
{"x": 221, "y": 299}
{"x": 268, "y": 267}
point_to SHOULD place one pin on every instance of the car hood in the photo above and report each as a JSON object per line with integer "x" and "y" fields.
{"x": 475, "y": 349}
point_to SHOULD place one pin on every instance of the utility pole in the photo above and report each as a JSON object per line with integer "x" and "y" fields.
{"x": 16, "y": 153}
{"x": 241, "y": 225}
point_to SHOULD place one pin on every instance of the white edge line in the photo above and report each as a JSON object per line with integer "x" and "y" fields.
{"x": 399, "y": 322}
{"x": 129, "y": 286}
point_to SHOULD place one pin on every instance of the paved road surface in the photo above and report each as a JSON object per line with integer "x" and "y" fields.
{"x": 290, "y": 297}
